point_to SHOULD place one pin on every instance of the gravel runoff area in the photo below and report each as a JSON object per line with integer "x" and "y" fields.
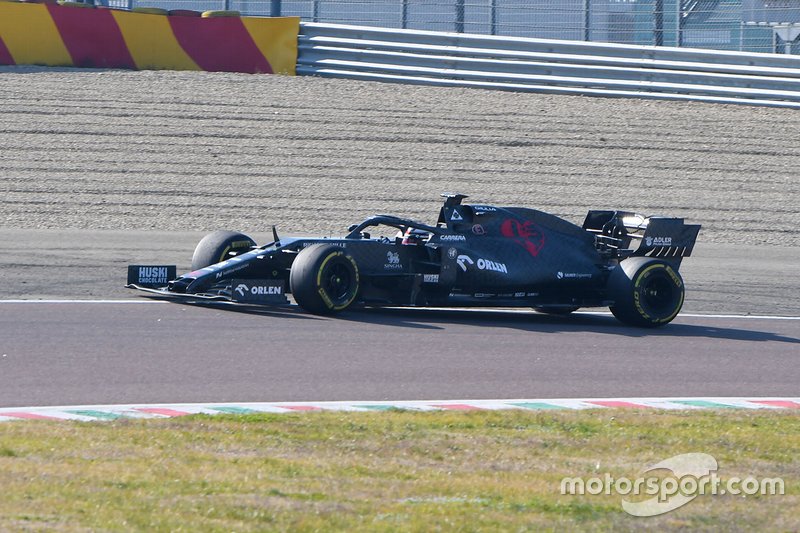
{"x": 198, "y": 151}
{"x": 94, "y": 150}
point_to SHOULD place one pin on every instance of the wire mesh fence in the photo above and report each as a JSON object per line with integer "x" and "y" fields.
{"x": 747, "y": 25}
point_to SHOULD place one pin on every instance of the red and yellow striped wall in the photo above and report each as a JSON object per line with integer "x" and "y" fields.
{"x": 55, "y": 35}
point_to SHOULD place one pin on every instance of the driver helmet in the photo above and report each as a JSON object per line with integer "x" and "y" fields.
{"x": 415, "y": 236}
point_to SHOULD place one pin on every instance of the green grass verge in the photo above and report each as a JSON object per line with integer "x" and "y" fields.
{"x": 388, "y": 471}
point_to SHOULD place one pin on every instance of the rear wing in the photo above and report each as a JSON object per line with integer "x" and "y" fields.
{"x": 621, "y": 234}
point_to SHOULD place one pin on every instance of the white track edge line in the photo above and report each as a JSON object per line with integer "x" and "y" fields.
{"x": 82, "y": 301}
{"x": 472, "y": 309}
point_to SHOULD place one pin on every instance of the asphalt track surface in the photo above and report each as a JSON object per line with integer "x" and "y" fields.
{"x": 94, "y": 353}
{"x": 103, "y": 168}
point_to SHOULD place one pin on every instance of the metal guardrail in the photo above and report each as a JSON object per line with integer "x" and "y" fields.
{"x": 548, "y": 66}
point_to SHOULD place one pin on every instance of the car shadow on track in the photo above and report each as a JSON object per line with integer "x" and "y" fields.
{"x": 288, "y": 312}
{"x": 541, "y": 323}
{"x": 439, "y": 319}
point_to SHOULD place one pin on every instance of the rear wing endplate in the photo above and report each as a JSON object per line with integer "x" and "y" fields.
{"x": 668, "y": 238}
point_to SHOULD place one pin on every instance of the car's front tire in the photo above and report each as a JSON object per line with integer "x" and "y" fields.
{"x": 220, "y": 246}
{"x": 646, "y": 292}
{"x": 324, "y": 279}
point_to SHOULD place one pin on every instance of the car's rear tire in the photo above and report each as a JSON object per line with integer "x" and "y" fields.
{"x": 220, "y": 246}
{"x": 646, "y": 292}
{"x": 324, "y": 279}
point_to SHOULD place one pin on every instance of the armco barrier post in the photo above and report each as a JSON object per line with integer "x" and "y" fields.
{"x": 275, "y": 8}
{"x": 658, "y": 23}
{"x": 459, "y": 16}
{"x": 587, "y": 20}
{"x": 493, "y": 17}
{"x": 404, "y": 15}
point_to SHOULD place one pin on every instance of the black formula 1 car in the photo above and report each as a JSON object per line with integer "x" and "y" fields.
{"x": 475, "y": 255}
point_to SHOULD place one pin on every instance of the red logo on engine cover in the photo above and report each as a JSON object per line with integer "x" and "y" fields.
{"x": 526, "y": 234}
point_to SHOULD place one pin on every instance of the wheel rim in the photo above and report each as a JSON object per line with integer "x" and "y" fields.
{"x": 659, "y": 295}
{"x": 336, "y": 281}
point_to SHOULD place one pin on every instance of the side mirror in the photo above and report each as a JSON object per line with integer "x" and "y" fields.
{"x": 352, "y": 227}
